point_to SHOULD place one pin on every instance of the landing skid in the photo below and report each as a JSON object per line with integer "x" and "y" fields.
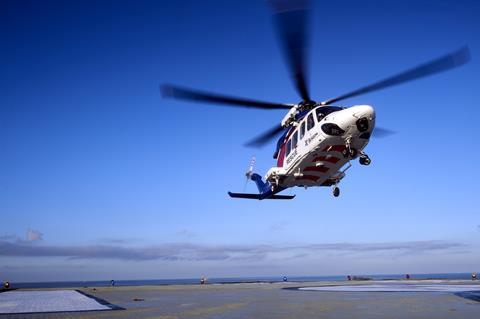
{"x": 258, "y": 196}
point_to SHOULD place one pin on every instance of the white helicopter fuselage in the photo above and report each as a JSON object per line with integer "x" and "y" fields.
{"x": 317, "y": 147}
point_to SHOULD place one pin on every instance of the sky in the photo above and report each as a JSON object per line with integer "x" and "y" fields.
{"x": 101, "y": 178}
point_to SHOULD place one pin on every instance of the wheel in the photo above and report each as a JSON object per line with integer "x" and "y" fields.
{"x": 336, "y": 191}
{"x": 345, "y": 153}
{"x": 365, "y": 160}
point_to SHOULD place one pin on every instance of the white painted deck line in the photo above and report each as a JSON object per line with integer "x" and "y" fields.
{"x": 47, "y": 301}
{"x": 397, "y": 288}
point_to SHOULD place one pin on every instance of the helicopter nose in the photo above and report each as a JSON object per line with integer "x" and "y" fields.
{"x": 364, "y": 117}
{"x": 364, "y": 111}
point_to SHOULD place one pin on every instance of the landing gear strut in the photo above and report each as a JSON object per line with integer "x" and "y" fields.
{"x": 349, "y": 151}
{"x": 274, "y": 184}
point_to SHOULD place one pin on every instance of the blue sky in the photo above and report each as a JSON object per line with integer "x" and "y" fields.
{"x": 100, "y": 177}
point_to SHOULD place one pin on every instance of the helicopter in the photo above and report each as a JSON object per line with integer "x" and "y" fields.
{"x": 318, "y": 139}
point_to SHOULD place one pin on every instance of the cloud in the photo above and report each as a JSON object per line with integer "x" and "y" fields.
{"x": 196, "y": 252}
{"x": 34, "y": 235}
{"x": 30, "y": 237}
{"x": 115, "y": 241}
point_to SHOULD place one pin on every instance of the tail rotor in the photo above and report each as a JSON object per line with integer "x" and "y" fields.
{"x": 249, "y": 172}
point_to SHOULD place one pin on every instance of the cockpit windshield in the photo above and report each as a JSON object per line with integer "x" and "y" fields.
{"x": 325, "y": 110}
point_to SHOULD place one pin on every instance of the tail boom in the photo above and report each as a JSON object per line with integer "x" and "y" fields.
{"x": 264, "y": 189}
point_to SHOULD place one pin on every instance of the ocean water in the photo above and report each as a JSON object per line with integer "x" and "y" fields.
{"x": 154, "y": 282}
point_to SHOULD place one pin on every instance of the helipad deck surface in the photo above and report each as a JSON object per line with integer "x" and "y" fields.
{"x": 47, "y": 301}
{"x": 458, "y": 299}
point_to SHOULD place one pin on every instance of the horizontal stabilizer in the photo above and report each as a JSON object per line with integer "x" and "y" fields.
{"x": 258, "y": 196}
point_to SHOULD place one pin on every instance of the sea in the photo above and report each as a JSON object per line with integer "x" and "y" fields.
{"x": 269, "y": 279}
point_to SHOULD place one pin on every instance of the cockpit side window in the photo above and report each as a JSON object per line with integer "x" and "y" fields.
{"x": 294, "y": 140}
{"x": 302, "y": 129}
{"x": 289, "y": 147}
{"x": 320, "y": 114}
{"x": 310, "y": 121}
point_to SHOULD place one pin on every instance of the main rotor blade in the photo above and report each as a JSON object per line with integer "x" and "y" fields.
{"x": 291, "y": 19}
{"x": 441, "y": 64}
{"x": 380, "y": 132}
{"x": 199, "y": 96}
{"x": 265, "y": 137}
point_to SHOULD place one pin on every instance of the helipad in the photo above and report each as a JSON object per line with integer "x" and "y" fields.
{"x": 397, "y": 288}
{"x": 48, "y": 301}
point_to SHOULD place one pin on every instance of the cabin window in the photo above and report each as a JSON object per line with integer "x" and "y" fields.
{"x": 302, "y": 129}
{"x": 310, "y": 121}
{"x": 294, "y": 140}
{"x": 289, "y": 147}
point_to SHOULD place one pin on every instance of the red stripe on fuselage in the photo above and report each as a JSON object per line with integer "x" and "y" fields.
{"x": 281, "y": 156}
{"x": 329, "y": 159}
{"x": 309, "y": 177}
{"x": 322, "y": 169}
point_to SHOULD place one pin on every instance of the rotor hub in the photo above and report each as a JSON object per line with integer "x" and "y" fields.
{"x": 307, "y": 105}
